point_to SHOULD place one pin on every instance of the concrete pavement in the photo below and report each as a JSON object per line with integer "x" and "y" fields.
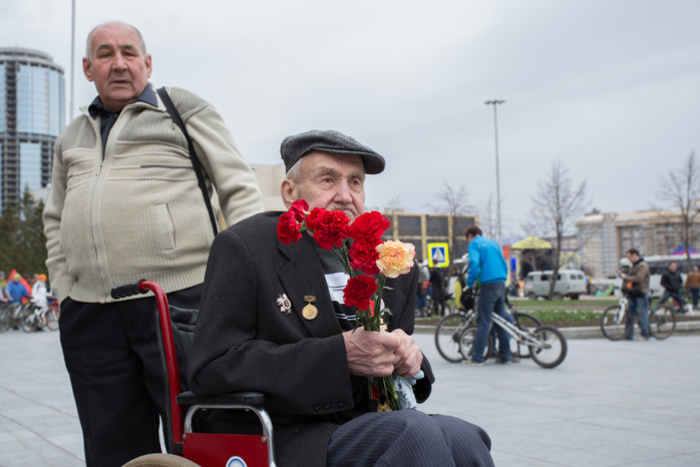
{"x": 607, "y": 404}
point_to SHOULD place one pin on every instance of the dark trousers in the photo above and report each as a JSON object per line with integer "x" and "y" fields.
{"x": 112, "y": 356}
{"x": 491, "y": 299}
{"x": 409, "y": 437}
{"x": 438, "y": 300}
{"x": 668, "y": 294}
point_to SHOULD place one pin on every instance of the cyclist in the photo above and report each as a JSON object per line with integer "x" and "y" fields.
{"x": 692, "y": 282}
{"x": 638, "y": 284}
{"x": 39, "y": 292}
{"x": 488, "y": 266}
{"x": 16, "y": 290}
{"x": 672, "y": 282}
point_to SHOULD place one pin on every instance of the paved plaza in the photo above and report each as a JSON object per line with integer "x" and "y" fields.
{"x": 608, "y": 404}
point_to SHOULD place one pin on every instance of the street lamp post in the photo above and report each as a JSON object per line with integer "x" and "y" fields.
{"x": 495, "y": 102}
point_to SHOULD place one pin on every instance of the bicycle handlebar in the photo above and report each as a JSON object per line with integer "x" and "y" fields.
{"x": 128, "y": 290}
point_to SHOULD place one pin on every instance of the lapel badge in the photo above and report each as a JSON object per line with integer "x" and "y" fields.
{"x": 310, "y": 311}
{"x": 285, "y": 304}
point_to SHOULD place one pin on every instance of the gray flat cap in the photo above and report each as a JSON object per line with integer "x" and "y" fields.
{"x": 296, "y": 146}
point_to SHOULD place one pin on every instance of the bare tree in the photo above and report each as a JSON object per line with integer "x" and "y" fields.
{"x": 453, "y": 202}
{"x": 556, "y": 206}
{"x": 681, "y": 190}
{"x": 394, "y": 205}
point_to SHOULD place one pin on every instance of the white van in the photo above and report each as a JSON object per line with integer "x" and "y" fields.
{"x": 570, "y": 283}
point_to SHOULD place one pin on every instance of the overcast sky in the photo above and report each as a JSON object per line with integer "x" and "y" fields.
{"x": 611, "y": 87}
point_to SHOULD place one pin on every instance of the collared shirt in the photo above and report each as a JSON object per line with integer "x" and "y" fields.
{"x": 108, "y": 117}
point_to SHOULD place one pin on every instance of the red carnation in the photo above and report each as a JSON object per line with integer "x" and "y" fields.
{"x": 288, "y": 228}
{"x": 358, "y": 291}
{"x": 329, "y": 227}
{"x": 369, "y": 225}
{"x": 299, "y": 209}
{"x": 364, "y": 255}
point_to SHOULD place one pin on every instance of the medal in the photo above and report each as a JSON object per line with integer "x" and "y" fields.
{"x": 310, "y": 311}
{"x": 285, "y": 304}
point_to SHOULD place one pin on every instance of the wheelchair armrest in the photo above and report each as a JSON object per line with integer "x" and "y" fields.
{"x": 233, "y": 398}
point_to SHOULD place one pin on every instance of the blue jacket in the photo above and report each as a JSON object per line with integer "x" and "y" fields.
{"x": 16, "y": 291}
{"x": 486, "y": 262}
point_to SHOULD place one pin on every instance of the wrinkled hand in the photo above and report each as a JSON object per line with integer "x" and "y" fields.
{"x": 371, "y": 353}
{"x": 408, "y": 356}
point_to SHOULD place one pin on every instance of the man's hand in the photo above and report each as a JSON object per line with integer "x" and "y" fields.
{"x": 371, "y": 353}
{"x": 408, "y": 355}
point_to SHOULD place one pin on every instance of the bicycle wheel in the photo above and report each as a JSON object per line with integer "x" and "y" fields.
{"x": 524, "y": 322}
{"x": 662, "y": 323}
{"x": 5, "y": 318}
{"x": 614, "y": 323}
{"x": 552, "y": 347}
{"x": 447, "y": 335}
{"x": 466, "y": 343}
{"x": 52, "y": 319}
{"x": 27, "y": 319}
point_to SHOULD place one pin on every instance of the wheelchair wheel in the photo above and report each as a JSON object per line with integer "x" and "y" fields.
{"x": 160, "y": 460}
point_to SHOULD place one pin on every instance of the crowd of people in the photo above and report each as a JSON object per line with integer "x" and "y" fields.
{"x": 19, "y": 289}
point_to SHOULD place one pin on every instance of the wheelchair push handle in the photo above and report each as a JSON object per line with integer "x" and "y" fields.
{"x": 128, "y": 290}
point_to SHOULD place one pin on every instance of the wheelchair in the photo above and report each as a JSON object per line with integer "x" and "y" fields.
{"x": 187, "y": 447}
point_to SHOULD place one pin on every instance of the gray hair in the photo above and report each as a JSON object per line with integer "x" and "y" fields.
{"x": 294, "y": 173}
{"x": 88, "y": 48}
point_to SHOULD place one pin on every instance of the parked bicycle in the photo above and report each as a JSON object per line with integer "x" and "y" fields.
{"x": 451, "y": 327}
{"x": 29, "y": 317}
{"x": 616, "y": 321}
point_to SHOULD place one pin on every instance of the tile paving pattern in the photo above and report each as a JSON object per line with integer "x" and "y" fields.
{"x": 608, "y": 404}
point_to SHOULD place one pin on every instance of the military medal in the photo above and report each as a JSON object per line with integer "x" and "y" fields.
{"x": 285, "y": 304}
{"x": 310, "y": 311}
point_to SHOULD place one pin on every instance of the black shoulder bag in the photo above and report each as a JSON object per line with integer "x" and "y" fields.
{"x": 175, "y": 115}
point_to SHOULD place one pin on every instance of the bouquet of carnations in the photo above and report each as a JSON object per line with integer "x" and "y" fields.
{"x": 366, "y": 257}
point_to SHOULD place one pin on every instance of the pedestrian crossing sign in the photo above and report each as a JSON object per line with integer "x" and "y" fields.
{"x": 438, "y": 255}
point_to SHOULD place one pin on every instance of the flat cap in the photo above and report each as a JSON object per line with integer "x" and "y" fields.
{"x": 296, "y": 146}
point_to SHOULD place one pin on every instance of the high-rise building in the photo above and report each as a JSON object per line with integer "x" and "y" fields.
{"x": 31, "y": 118}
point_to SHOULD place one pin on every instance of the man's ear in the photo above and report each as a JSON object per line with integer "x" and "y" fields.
{"x": 288, "y": 192}
{"x": 87, "y": 69}
{"x": 149, "y": 65}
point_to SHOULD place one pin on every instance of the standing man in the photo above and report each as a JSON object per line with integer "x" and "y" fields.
{"x": 638, "y": 284}
{"x": 672, "y": 282}
{"x": 437, "y": 283}
{"x": 692, "y": 283}
{"x": 125, "y": 205}
{"x": 421, "y": 290}
{"x": 314, "y": 369}
{"x": 488, "y": 266}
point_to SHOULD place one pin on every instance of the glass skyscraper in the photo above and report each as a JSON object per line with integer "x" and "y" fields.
{"x": 31, "y": 118}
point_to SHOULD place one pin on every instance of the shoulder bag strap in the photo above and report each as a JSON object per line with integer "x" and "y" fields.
{"x": 175, "y": 115}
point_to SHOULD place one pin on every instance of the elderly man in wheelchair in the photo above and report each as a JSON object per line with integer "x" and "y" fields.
{"x": 272, "y": 321}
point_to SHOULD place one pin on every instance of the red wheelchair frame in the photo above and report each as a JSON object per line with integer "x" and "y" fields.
{"x": 204, "y": 449}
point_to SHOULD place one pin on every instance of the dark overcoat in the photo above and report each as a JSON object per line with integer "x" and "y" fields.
{"x": 244, "y": 342}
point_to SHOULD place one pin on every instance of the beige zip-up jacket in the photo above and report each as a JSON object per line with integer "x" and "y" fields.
{"x": 138, "y": 213}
